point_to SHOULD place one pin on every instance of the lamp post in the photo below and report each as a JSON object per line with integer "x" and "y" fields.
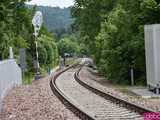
{"x": 37, "y": 23}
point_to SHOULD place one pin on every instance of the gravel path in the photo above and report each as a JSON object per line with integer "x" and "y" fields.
{"x": 102, "y": 84}
{"x": 97, "y": 106}
{"x": 34, "y": 102}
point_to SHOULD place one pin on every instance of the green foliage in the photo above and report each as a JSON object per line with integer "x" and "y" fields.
{"x": 88, "y": 17}
{"x": 19, "y": 42}
{"x": 113, "y": 31}
{"x": 17, "y": 31}
{"x": 28, "y": 78}
{"x": 11, "y": 33}
{"x": 57, "y": 20}
{"x": 66, "y": 45}
{"x": 48, "y": 52}
{"x": 70, "y": 44}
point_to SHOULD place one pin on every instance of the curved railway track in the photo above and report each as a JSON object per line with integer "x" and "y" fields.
{"x": 89, "y": 103}
{"x": 64, "y": 99}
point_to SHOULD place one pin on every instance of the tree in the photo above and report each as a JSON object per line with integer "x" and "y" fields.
{"x": 66, "y": 45}
{"x": 88, "y": 16}
{"x": 48, "y": 51}
{"x": 11, "y": 12}
{"x": 17, "y": 31}
{"x": 113, "y": 31}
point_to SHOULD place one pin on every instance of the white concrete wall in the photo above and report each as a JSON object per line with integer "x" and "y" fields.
{"x": 152, "y": 47}
{"x": 10, "y": 76}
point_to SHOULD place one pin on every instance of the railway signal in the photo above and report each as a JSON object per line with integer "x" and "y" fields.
{"x": 37, "y": 23}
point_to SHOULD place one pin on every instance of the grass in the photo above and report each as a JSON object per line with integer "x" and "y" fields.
{"x": 126, "y": 89}
{"x": 70, "y": 61}
{"x": 28, "y": 78}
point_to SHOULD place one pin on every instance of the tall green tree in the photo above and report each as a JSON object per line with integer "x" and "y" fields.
{"x": 114, "y": 30}
{"x": 88, "y": 16}
{"x": 48, "y": 51}
{"x": 11, "y": 13}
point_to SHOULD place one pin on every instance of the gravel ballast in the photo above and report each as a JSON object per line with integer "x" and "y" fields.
{"x": 34, "y": 102}
{"x": 102, "y": 84}
{"x": 94, "y": 105}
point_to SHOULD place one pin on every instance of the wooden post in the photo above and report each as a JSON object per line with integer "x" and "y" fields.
{"x": 132, "y": 77}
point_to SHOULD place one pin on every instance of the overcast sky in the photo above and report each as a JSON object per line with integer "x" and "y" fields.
{"x": 54, "y": 3}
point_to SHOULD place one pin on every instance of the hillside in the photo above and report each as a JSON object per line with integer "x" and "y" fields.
{"x": 56, "y": 18}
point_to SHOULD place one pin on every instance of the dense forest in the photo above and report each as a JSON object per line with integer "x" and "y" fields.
{"x": 57, "y": 20}
{"x": 55, "y": 17}
{"x": 113, "y": 32}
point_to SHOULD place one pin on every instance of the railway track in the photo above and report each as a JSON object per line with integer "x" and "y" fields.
{"x": 89, "y": 103}
{"x": 64, "y": 99}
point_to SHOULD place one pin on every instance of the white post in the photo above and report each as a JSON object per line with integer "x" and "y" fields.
{"x": 10, "y": 53}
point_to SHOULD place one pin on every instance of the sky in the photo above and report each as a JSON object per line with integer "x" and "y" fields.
{"x": 53, "y": 3}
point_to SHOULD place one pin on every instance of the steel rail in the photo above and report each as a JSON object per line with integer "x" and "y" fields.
{"x": 133, "y": 107}
{"x": 72, "y": 106}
